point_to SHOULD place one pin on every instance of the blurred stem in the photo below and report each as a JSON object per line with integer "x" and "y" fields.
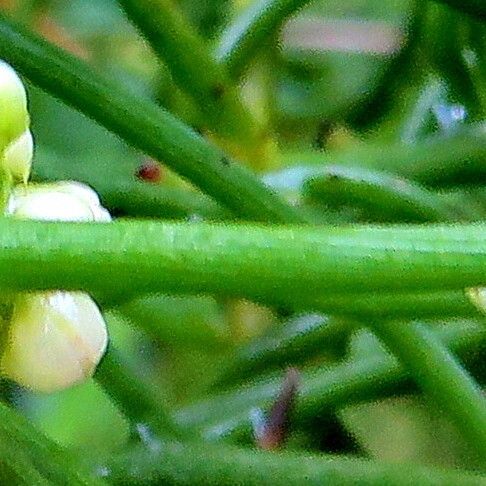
{"x": 142, "y": 124}
{"x": 475, "y": 8}
{"x": 134, "y": 398}
{"x": 28, "y": 448}
{"x": 398, "y": 305}
{"x": 252, "y": 30}
{"x": 196, "y": 72}
{"x": 441, "y": 376}
{"x": 196, "y": 463}
{"x": 379, "y": 195}
{"x": 437, "y": 160}
{"x": 279, "y": 264}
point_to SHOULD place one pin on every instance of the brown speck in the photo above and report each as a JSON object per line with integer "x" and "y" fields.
{"x": 149, "y": 171}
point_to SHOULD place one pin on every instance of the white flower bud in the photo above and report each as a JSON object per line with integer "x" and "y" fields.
{"x": 55, "y": 340}
{"x": 17, "y": 157}
{"x": 63, "y": 201}
{"x": 14, "y": 118}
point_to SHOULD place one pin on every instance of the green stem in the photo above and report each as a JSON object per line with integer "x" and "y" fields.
{"x": 193, "y": 67}
{"x": 252, "y": 30}
{"x": 196, "y": 463}
{"x": 441, "y": 376}
{"x": 437, "y": 160}
{"x": 141, "y": 124}
{"x": 36, "y": 452}
{"x": 475, "y": 8}
{"x": 362, "y": 378}
{"x": 379, "y": 195}
{"x": 279, "y": 264}
{"x": 134, "y": 398}
{"x": 399, "y": 305}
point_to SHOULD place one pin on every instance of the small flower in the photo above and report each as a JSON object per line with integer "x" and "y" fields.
{"x": 55, "y": 340}
{"x": 14, "y": 118}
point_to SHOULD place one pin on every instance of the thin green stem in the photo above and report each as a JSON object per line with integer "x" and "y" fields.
{"x": 252, "y": 30}
{"x": 141, "y": 124}
{"x": 399, "y": 305}
{"x": 279, "y": 264}
{"x": 441, "y": 376}
{"x": 437, "y": 160}
{"x": 36, "y": 452}
{"x": 379, "y": 195}
{"x": 134, "y": 398}
{"x": 196, "y": 463}
{"x": 193, "y": 68}
{"x": 475, "y": 8}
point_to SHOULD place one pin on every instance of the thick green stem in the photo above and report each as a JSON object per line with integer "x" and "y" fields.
{"x": 252, "y": 30}
{"x": 441, "y": 376}
{"x": 193, "y": 68}
{"x": 196, "y": 463}
{"x": 279, "y": 264}
{"x": 142, "y": 124}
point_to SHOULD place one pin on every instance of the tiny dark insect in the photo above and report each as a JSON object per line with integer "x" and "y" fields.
{"x": 150, "y": 172}
{"x": 225, "y": 161}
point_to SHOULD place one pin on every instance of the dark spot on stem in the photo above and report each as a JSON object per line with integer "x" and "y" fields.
{"x": 218, "y": 91}
{"x": 225, "y": 161}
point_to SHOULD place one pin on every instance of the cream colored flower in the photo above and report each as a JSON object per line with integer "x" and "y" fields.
{"x": 55, "y": 340}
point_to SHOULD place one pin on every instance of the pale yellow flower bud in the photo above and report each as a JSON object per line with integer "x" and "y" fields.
{"x": 17, "y": 157}
{"x": 14, "y": 118}
{"x": 55, "y": 340}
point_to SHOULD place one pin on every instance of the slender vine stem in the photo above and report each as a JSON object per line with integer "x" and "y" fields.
{"x": 441, "y": 376}
{"x": 380, "y": 196}
{"x": 193, "y": 68}
{"x": 475, "y": 8}
{"x": 134, "y": 398}
{"x": 251, "y": 31}
{"x": 194, "y": 463}
{"x": 437, "y": 160}
{"x": 141, "y": 124}
{"x": 25, "y": 446}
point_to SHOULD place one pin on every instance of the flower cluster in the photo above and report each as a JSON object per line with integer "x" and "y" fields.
{"x": 53, "y": 339}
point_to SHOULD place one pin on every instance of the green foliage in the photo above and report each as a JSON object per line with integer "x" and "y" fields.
{"x": 349, "y": 255}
